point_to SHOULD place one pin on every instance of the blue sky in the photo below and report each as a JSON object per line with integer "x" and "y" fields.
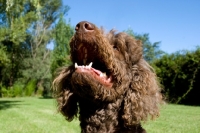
{"x": 176, "y": 23}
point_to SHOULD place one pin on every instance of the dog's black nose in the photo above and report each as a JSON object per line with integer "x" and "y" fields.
{"x": 84, "y": 26}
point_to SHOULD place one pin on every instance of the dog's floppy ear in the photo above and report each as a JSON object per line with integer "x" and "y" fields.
{"x": 142, "y": 99}
{"x": 134, "y": 48}
{"x": 66, "y": 99}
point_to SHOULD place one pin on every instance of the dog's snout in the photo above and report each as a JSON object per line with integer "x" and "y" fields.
{"x": 84, "y": 26}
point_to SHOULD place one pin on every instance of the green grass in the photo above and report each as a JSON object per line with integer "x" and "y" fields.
{"x": 176, "y": 119}
{"x": 35, "y": 115}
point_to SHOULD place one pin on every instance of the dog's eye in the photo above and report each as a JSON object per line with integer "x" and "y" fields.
{"x": 115, "y": 48}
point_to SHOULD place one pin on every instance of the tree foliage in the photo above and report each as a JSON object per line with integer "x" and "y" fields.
{"x": 26, "y": 28}
{"x": 15, "y": 18}
{"x": 151, "y": 50}
{"x": 180, "y": 75}
{"x": 62, "y": 35}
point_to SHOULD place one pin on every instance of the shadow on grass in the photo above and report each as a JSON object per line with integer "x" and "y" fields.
{"x": 5, "y": 104}
{"x": 46, "y": 97}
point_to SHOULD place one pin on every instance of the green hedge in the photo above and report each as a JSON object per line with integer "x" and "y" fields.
{"x": 180, "y": 76}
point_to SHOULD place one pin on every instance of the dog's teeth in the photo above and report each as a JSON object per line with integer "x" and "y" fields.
{"x": 101, "y": 75}
{"x": 90, "y": 65}
{"x": 76, "y": 65}
{"x": 104, "y": 74}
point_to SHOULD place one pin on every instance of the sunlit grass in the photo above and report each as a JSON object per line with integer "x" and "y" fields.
{"x": 35, "y": 115}
{"x": 176, "y": 119}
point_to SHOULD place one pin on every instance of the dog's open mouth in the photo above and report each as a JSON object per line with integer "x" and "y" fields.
{"x": 89, "y": 62}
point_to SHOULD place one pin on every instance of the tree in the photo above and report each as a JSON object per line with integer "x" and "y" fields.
{"x": 15, "y": 18}
{"x": 3, "y": 60}
{"x": 151, "y": 51}
{"x": 179, "y": 74}
{"x": 3, "y": 63}
{"x": 40, "y": 36}
{"x": 26, "y": 28}
{"x": 62, "y": 35}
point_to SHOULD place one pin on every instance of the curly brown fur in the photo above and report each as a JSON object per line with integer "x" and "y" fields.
{"x": 114, "y": 103}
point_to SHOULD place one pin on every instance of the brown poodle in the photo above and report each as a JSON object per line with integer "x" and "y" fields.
{"x": 109, "y": 84}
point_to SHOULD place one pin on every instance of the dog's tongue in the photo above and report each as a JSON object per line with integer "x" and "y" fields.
{"x": 96, "y": 71}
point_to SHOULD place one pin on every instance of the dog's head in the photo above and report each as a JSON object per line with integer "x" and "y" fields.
{"x": 102, "y": 62}
{"x": 105, "y": 68}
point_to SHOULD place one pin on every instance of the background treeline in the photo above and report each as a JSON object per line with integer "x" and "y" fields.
{"x": 180, "y": 76}
{"x": 34, "y": 39}
{"x": 27, "y": 28}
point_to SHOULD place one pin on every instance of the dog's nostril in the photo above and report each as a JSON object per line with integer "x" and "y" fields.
{"x": 88, "y": 26}
{"x": 84, "y": 27}
{"x": 77, "y": 27}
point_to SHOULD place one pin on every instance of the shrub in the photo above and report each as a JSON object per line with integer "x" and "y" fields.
{"x": 30, "y": 88}
{"x": 17, "y": 89}
{"x": 180, "y": 75}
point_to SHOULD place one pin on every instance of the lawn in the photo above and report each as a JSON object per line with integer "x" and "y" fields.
{"x": 37, "y": 115}
{"x": 33, "y": 115}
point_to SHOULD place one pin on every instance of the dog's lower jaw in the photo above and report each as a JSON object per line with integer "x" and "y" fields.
{"x": 96, "y": 91}
{"x": 104, "y": 118}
